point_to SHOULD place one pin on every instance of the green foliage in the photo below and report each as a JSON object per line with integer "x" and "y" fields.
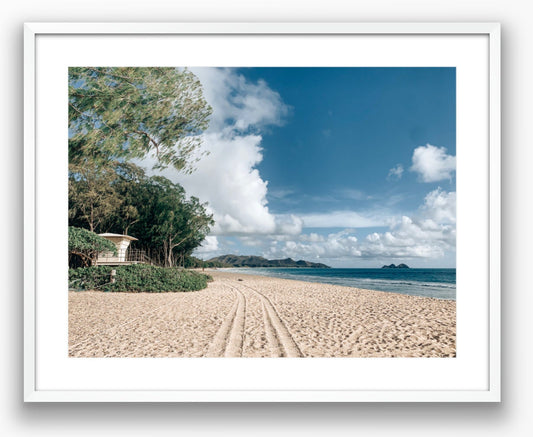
{"x": 177, "y": 224}
{"x": 89, "y": 278}
{"x": 87, "y": 244}
{"x": 122, "y": 199}
{"x": 119, "y": 114}
{"x": 137, "y": 278}
{"x": 82, "y": 239}
{"x": 93, "y": 199}
{"x": 131, "y": 112}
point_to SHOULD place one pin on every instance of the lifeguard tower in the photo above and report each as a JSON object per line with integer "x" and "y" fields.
{"x": 123, "y": 256}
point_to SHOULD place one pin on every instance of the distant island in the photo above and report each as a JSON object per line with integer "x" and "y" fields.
{"x": 259, "y": 261}
{"x": 394, "y": 266}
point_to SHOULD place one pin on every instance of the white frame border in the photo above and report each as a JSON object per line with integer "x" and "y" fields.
{"x": 31, "y": 394}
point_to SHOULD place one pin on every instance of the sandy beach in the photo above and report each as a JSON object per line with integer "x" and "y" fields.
{"x": 253, "y": 316}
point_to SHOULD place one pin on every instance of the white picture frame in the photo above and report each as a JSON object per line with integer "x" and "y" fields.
{"x": 47, "y": 369}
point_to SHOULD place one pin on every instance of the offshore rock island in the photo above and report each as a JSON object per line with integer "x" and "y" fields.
{"x": 394, "y": 266}
{"x": 259, "y": 261}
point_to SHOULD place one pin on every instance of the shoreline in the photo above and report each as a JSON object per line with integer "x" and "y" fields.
{"x": 330, "y": 280}
{"x": 260, "y": 316}
{"x": 256, "y": 277}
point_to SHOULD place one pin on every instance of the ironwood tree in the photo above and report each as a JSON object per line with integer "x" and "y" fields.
{"x": 120, "y": 113}
{"x": 93, "y": 199}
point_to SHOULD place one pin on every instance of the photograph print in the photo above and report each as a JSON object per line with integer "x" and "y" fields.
{"x": 262, "y": 212}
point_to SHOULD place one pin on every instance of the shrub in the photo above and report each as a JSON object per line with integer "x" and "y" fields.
{"x": 87, "y": 245}
{"x": 136, "y": 278}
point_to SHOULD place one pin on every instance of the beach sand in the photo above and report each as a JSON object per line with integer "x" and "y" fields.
{"x": 241, "y": 315}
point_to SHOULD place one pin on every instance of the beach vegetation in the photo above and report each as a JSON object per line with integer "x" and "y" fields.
{"x": 121, "y": 198}
{"x": 137, "y": 278}
{"x": 85, "y": 245}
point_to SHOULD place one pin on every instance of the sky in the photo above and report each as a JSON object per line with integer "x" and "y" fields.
{"x": 351, "y": 167}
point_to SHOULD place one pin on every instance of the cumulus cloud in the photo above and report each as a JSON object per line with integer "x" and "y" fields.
{"x": 289, "y": 224}
{"x": 313, "y": 237}
{"x": 336, "y": 245}
{"x": 432, "y": 163}
{"x": 410, "y": 239}
{"x": 395, "y": 173}
{"x": 429, "y": 235}
{"x": 210, "y": 244}
{"x": 440, "y": 206}
{"x": 228, "y": 180}
{"x": 239, "y": 104}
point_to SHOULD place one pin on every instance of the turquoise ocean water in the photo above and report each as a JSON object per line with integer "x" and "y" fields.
{"x": 437, "y": 283}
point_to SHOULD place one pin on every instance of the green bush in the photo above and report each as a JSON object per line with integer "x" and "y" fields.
{"x": 86, "y": 245}
{"x": 136, "y": 278}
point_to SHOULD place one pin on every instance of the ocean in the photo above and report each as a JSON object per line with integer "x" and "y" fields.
{"x": 437, "y": 283}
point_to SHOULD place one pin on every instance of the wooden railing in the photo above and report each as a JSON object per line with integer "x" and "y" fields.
{"x": 138, "y": 256}
{"x": 132, "y": 256}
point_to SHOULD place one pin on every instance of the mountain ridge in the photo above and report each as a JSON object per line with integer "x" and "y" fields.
{"x": 231, "y": 260}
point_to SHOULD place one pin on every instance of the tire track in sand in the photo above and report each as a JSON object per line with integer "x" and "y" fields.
{"x": 228, "y": 340}
{"x": 280, "y": 339}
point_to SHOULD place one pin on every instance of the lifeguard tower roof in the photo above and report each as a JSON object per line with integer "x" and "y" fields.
{"x": 110, "y": 235}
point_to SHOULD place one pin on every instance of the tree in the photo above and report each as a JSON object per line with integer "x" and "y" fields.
{"x": 87, "y": 245}
{"x": 178, "y": 225}
{"x": 93, "y": 200}
{"x": 128, "y": 184}
{"x": 120, "y": 198}
{"x": 197, "y": 226}
{"x": 131, "y": 112}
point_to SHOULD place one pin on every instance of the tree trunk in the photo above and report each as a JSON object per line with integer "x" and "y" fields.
{"x": 170, "y": 259}
{"x": 91, "y": 221}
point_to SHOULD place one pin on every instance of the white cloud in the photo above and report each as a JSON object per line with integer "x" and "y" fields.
{"x": 311, "y": 246}
{"x": 410, "y": 239}
{"x": 312, "y": 237}
{"x": 395, "y": 173}
{"x": 251, "y": 241}
{"x": 289, "y": 224}
{"x": 432, "y": 163}
{"x": 430, "y": 235}
{"x": 210, "y": 244}
{"x": 228, "y": 180}
{"x": 440, "y": 206}
{"x": 237, "y": 103}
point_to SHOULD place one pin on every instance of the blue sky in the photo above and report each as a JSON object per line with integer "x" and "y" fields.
{"x": 351, "y": 125}
{"x": 353, "y": 167}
